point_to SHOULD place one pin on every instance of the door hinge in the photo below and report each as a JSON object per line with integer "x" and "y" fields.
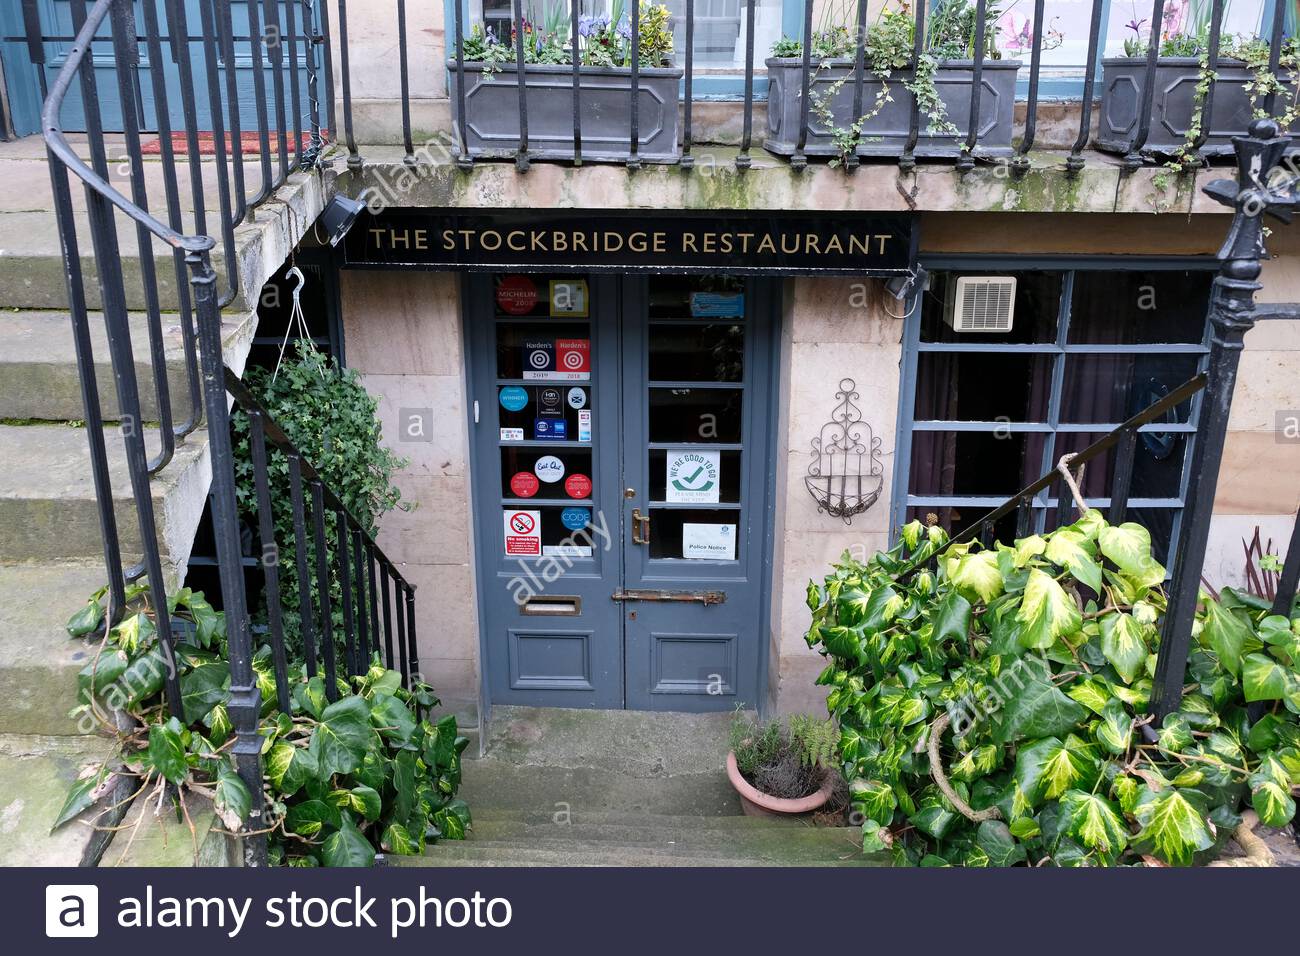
{"x": 697, "y": 597}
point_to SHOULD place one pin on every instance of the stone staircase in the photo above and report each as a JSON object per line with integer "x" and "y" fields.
{"x": 621, "y": 788}
{"x": 51, "y": 555}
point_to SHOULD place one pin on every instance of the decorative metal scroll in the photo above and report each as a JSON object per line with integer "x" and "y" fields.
{"x": 846, "y": 475}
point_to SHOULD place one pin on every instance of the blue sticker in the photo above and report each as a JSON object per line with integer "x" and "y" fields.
{"x": 575, "y": 519}
{"x": 718, "y": 305}
{"x": 550, "y": 429}
{"x": 513, "y": 398}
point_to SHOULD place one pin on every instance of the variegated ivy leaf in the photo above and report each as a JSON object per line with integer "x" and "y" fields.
{"x": 1046, "y": 611}
{"x": 1264, "y": 678}
{"x": 1273, "y": 804}
{"x": 911, "y": 534}
{"x": 1027, "y": 549}
{"x": 875, "y": 799}
{"x": 1115, "y": 729}
{"x": 814, "y": 597}
{"x": 852, "y": 605}
{"x": 1143, "y": 613}
{"x": 977, "y": 575}
{"x": 975, "y": 763}
{"x": 1226, "y": 634}
{"x": 1094, "y": 821}
{"x": 1089, "y": 524}
{"x": 1175, "y": 734}
{"x": 1124, "y": 644}
{"x": 1048, "y": 768}
{"x": 1172, "y": 828}
{"x": 1129, "y": 546}
{"x": 1276, "y": 630}
{"x": 1271, "y": 770}
{"x": 1093, "y": 693}
{"x": 1066, "y": 548}
{"x": 1127, "y": 790}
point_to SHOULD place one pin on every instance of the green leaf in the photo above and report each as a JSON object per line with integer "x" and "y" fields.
{"x": 366, "y": 802}
{"x": 1048, "y": 768}
{"x": 1275, "y": 629}
{"x": 1065, "y": 547}
{"x": 86, "y": 621}
{"x": 166, "y": 753}
{"x": 1264, "y": 678}
{"x": 1036, "y": 708}
{"x": 232, "y": 799}
{"x": 203, "y": 686}
{"x": 81, "y": 796}
{"x": 1028, "y": 548}
{"x": 1093, "y": 693}
{"x": 393, "y": 719}
{"x": 341, "y": 738}
{"x": 289, "y": 767}
{"x": 952, "y": 618}
{"x": 1129, "y": 546}
{"x": 995, "y": 839}
{"x": 347, "y": 846}
{"x": 1115, "y": 729}
{"x": 1175, "y": 734}
{"x": 1094, "y": 821}
{"x": 397, "y": 839}
{"x": 1123, "y": 643}
{"x": 1227, "y": 635}
{"x": 875, "y": 799}
{"x": 977, "y": 575}
{"x": 1172, "y": 829}
{"x": 1046, "y": 611}
{"x": 1025, "y": 828}
{"x": 1273, "y": 804}
{"x": 310, "y": 817}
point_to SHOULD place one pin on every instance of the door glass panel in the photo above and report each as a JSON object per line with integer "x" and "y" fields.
{"x": 700, "y": 477}
{"x": 546, "y": 473}
{"x": 695, "y": 297}
{"x": 710, "y": 415}
{"x": 700, "y": 534}
{"x": 686, "y": 352}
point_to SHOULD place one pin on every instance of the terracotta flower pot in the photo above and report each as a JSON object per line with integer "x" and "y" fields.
{"x": 755, "y": 803}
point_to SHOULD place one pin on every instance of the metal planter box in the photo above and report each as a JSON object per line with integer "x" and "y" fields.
{"x": 1122, "y": 79}
{"x": 605, "y": 93}
{"x": 885, "y": 133}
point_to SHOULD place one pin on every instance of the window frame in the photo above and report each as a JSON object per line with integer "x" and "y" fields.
{"x": 901, "y": 498}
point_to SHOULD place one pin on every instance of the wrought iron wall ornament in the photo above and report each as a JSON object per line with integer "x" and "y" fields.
{"x": 846, "y": 475}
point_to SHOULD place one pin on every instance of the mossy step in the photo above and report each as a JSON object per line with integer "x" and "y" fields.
{"x": 638, "y": 819}
{"x": 777, "y": 846}
{"x": 583, "y": 853}
{"x": 813, "y": 838}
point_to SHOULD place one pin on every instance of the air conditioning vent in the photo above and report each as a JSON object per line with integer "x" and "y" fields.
{"x": 981, "y": 303}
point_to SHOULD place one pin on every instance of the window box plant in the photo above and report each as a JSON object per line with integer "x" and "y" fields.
{"x": 892, "y": 82}
{"x": 781, "y": 770}
{"x": 491, "y": 89}
{"x": 1242, "y": 82}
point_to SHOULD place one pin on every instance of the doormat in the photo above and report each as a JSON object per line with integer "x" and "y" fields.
{"x": 250, "y": 143}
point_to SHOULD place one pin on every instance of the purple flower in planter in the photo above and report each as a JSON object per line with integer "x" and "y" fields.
{"x": 624, "y": 28}
{"x": 592, "y": 26}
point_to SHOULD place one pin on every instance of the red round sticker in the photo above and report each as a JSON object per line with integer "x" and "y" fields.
{"x": 524, "y": 484}
{"x": 578, "y": 486}
{"x": 517, "y": 295}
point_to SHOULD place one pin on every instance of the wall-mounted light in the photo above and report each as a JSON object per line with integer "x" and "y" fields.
{"x": 339, "y": 215}
{"x": 904, "y": 287}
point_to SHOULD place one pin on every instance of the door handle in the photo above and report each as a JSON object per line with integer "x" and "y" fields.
{"x": 683, "y": 597}
{"x": 640, "y": 527}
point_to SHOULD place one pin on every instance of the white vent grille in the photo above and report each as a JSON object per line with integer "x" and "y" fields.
{"x": 981, "y": 304}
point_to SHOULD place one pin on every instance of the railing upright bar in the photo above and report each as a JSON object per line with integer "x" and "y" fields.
{"x": 1074, "y": 162}
{"x": 1287, "y": 582}
{"x": 1122, "y": 479}
{"x": 180, "y": 28}
{"x": 688, "y": 81}
{"x": 311, "y": 41}
{"x": 1212, "y": 63}
{"x": 521, "y": 79}
{"x": 966, "y": 161}
{"x": 390, "y": 659}
{"x": 373, "y": 588}
{"x": 245, "y": 699}
{"x": 171, "y": 188}
{"x": 463, "y": 159}
{"x": 359, "y": 585}
{"x": 305, "y": 615}
{"x": 574, "y": 7}
{"x": 341, "y": 521}
{"x": 295, "y": 91}
{"x": 404, "y": 79}
{"x": 345, "y": 77}
{"x": 1277, "y": 33}
{"x": 413, "y": 659}
{"x": 1024, "y": 518}
{"x": 1065, "y": 500}
{"x": 747, "y": 133}
{"x": 634, "y": 97}
{"x": 226, "y": 219}
{"x": 323, "y": 589}
{"x": 127, "y": 58}
{"x": 270, "y": 558}
{"x": 274, "y": 43}
{"x": 399, "y": 611}
{"x": 255, "y": 37}
{"x": 324, "y": 37}
{"x": 798, "y": 160}
{"x": 1021, "y": 162}
{"x": 859, "y": 75}
{"x": 907, "y": 161}
{"x": 1133, "y": 159}
{"x": 234, "y": 121}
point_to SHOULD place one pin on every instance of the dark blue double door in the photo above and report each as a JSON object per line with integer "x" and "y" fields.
{"x": 30, "y": 67}
{"x": 622, "y": 473}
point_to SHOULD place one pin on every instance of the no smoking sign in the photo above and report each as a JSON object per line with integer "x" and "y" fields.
{"x": 523, "y": 530}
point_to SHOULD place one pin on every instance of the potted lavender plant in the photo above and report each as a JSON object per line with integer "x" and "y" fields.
{"x": 489, "y": 78}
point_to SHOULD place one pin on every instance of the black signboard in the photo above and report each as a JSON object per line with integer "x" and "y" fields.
{"x": 864, "y": 244}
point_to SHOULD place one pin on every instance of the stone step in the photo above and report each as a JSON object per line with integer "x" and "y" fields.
{"x": 665, "y": 831}
{"x": 595, "y": 853}
{"x": 37, "y": 772}
{"x": 38, "y": 364}
{"x": 47, "y": 497}
{"x": 492, "y": 815}
{"x": 39, "y": 662}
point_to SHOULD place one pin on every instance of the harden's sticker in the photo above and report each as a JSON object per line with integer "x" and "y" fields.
{"x": 577, "y": 486}
{"x": 517, "y": 295}
{"x": 549, "y": 468}
{"x": 513, "y": 398}
{"x": 524, "y": 484}
{"x": 575, "y": 519}
{"x": 523, "y": 531}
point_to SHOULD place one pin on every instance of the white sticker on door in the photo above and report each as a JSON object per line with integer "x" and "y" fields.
{"x": 549, "y": 468}
{"x": 523, "y": 532}
{"x": 713, "y": 541}
{"x": 692, "y": 476}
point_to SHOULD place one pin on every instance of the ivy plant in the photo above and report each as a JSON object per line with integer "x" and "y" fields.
{"x": 343, "y": 780}
{"x": 993, "y": 704}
